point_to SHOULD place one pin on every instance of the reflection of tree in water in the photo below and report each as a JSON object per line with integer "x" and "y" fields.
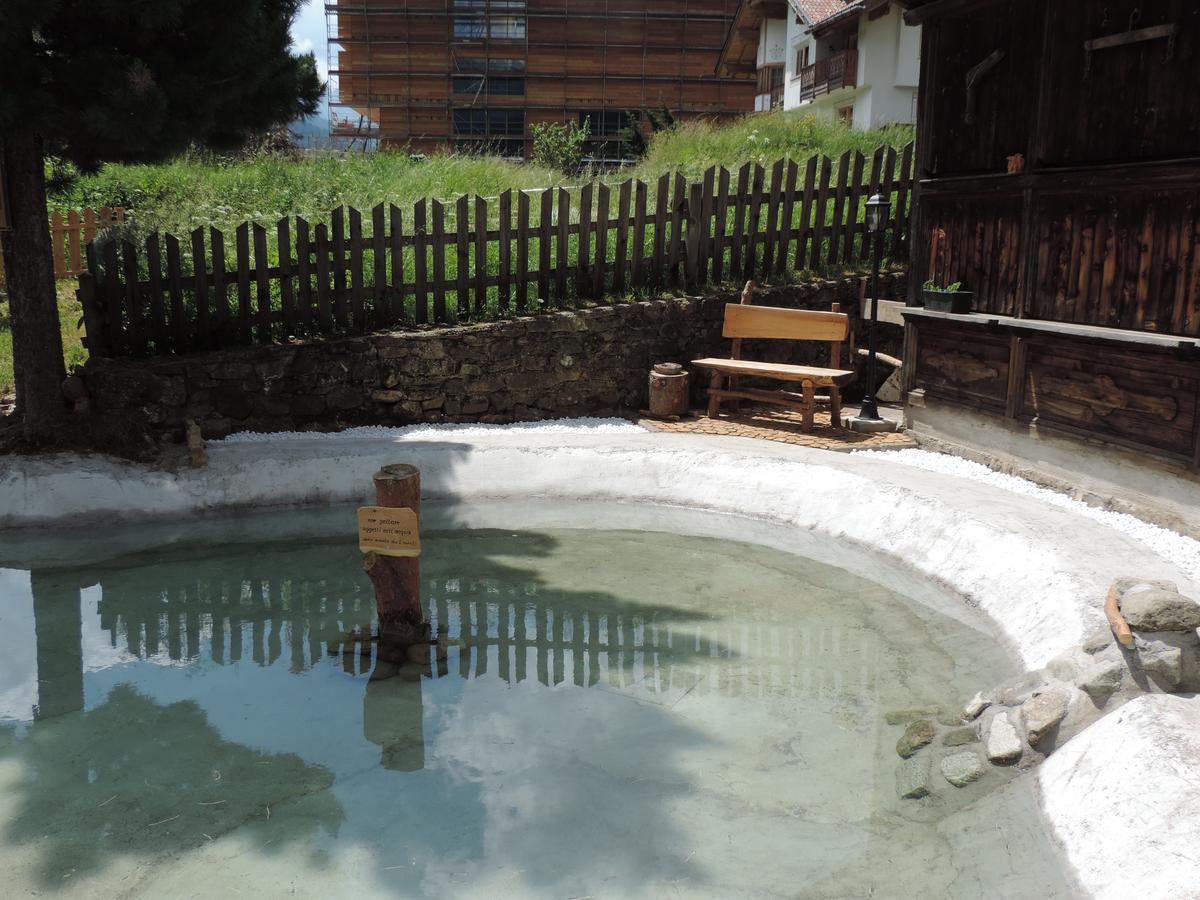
{"x": 132, "y": 777}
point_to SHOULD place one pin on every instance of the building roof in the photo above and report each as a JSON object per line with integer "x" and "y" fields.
{"x": 740, "y": 51}
{"x": 814, "y": 12}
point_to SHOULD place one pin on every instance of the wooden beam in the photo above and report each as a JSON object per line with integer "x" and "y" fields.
{"x": 939, "y": 8}
{"x": 1175, "y": 343}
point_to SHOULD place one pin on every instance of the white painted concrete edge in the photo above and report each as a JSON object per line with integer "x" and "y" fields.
{"x": 1040, "y": 571}
{"x": 1123, "y": 799}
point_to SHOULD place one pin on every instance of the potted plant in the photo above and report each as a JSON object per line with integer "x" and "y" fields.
{"x": 951, "y": 298}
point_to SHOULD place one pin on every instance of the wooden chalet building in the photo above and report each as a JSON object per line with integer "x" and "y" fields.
{"x": 1058, "y": 178}
{"x": 465, "y": 74}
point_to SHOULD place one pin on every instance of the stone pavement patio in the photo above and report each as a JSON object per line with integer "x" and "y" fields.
{"x": 783, "y": 425}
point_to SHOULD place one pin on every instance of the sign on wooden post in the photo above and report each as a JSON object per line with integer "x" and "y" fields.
{"x": 389, "y": 536}
{"x": 388, "y": 531}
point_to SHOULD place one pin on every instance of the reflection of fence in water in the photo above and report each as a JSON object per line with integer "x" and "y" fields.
{"x": 515, "y": 631}
{"x": 540, "y": 634}
{"x": 261, "y": 618}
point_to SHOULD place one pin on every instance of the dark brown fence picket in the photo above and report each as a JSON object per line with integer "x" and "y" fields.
{"x": 583, "y": 245}
{"x": 561, "y": 246}
{"x": 462, "y": 255}
{"x": 481, "y": 254}
{"x": 505, "y": 249}
{"x": 545, "y": 229}
{"x": 437, "y": 236}
{"x": 522, "y": 249}
{"x": 602, "y": 197}
{"x": 662, "y": 203}
{"x": 294, "y": 278}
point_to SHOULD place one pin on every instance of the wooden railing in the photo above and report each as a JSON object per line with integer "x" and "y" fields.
{"x": 69, "y": 234}
{"x": 478, "y": 258}
{"x": 828, "y": 74}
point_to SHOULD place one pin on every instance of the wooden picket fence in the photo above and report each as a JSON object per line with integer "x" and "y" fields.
{"x": 69, "y": 234}
{"x": 473, "y": 259}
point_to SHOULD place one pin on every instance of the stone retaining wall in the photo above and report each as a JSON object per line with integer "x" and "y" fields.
{"x": 588, "y": 362}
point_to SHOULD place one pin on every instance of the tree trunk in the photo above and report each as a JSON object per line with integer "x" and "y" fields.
{"x": 33, "y": 305}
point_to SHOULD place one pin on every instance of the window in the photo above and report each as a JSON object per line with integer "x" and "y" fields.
{"x": 489, "y": 122}
{"x": 469, "y": 84}
{"x": 471, "y": 28}
{"x": 472, "y": 64}
{"x": 802, "y": 52}
{"x": 498, "y": 86}
{"x": 490, "y": 85}
{"x": 845, "y": 114}
{"x": 507, "y": 28}
{"x": 501, "y": 28}
{"x": 769, "y": 79}
{"x": 479, "y": 19}
{"x": 604, "y": 122}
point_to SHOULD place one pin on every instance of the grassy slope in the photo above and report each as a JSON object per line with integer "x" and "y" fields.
{"x": 763, "y": 138}
{"x": 190, "y": 192}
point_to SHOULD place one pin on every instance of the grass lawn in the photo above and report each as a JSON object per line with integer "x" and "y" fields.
{"x": 192, "y": 191}
{"x": 68, "y": 315}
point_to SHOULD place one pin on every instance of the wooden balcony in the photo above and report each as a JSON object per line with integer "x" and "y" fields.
{"x": 828, "y": 74}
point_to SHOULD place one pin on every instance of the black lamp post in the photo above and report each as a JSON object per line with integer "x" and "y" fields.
{"x": 877, "y": 216}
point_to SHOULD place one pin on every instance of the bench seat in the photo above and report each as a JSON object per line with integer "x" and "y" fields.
{"x": 781, "y": 371}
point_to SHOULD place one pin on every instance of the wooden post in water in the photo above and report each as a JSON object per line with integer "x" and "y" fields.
{"x": 397, "y": 579}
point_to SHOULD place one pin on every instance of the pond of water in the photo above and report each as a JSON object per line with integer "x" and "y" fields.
{"x": 621, "y": 712}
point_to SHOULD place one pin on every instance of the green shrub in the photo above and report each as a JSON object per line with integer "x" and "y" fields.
{"x": 559, "y": 145}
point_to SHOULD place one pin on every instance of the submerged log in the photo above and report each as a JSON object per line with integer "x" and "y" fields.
{"x": 397, "y": 579}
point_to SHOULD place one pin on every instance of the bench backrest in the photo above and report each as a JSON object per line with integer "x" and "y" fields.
{"x": 755, "y": 322}
{"x": 742, "y": 321}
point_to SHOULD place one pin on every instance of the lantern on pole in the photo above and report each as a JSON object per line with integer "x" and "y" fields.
{"x": 868, "y": 419}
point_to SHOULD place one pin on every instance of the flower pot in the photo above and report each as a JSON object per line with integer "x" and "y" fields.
{"x": 947, "y": 301}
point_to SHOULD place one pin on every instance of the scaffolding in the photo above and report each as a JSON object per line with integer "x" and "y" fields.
{"x": 353, "y": 119}
{"x": 397, "y": 74}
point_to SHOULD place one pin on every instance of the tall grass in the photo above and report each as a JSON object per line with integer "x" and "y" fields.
{"x": 762, "y": 138}
{"x": 194, "y": 191}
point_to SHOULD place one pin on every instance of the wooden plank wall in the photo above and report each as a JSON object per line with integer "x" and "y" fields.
{"x": 977, "y": 241}
{"x": 1137, "y": 396}
{"x": 1127, "y": 259}
{"x": 477, "y": 258}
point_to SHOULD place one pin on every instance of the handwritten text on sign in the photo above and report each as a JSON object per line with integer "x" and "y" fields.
{"x": 388, "y": 531}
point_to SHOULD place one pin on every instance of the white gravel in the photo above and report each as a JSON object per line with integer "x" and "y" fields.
{"x": 586, "y": 425}
{"x": 1183, "y": 551}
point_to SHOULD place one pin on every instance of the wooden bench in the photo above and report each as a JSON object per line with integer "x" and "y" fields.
{"x": 744, "y": 321}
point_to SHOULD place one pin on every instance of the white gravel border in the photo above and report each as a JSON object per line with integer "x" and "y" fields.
{"x": 583, "y": 425}
{"x": 1183, "y": 551}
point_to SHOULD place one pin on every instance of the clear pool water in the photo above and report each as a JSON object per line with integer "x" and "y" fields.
{"x": 621, "y": 712}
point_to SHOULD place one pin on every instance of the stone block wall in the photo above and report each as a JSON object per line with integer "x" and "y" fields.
{"x": 588, "y": 362}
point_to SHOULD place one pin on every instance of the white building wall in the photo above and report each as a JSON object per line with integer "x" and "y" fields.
{"x": 797, "y": 37}
{"x": 888, "y": 71}
{"x": 772, "y": 42}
